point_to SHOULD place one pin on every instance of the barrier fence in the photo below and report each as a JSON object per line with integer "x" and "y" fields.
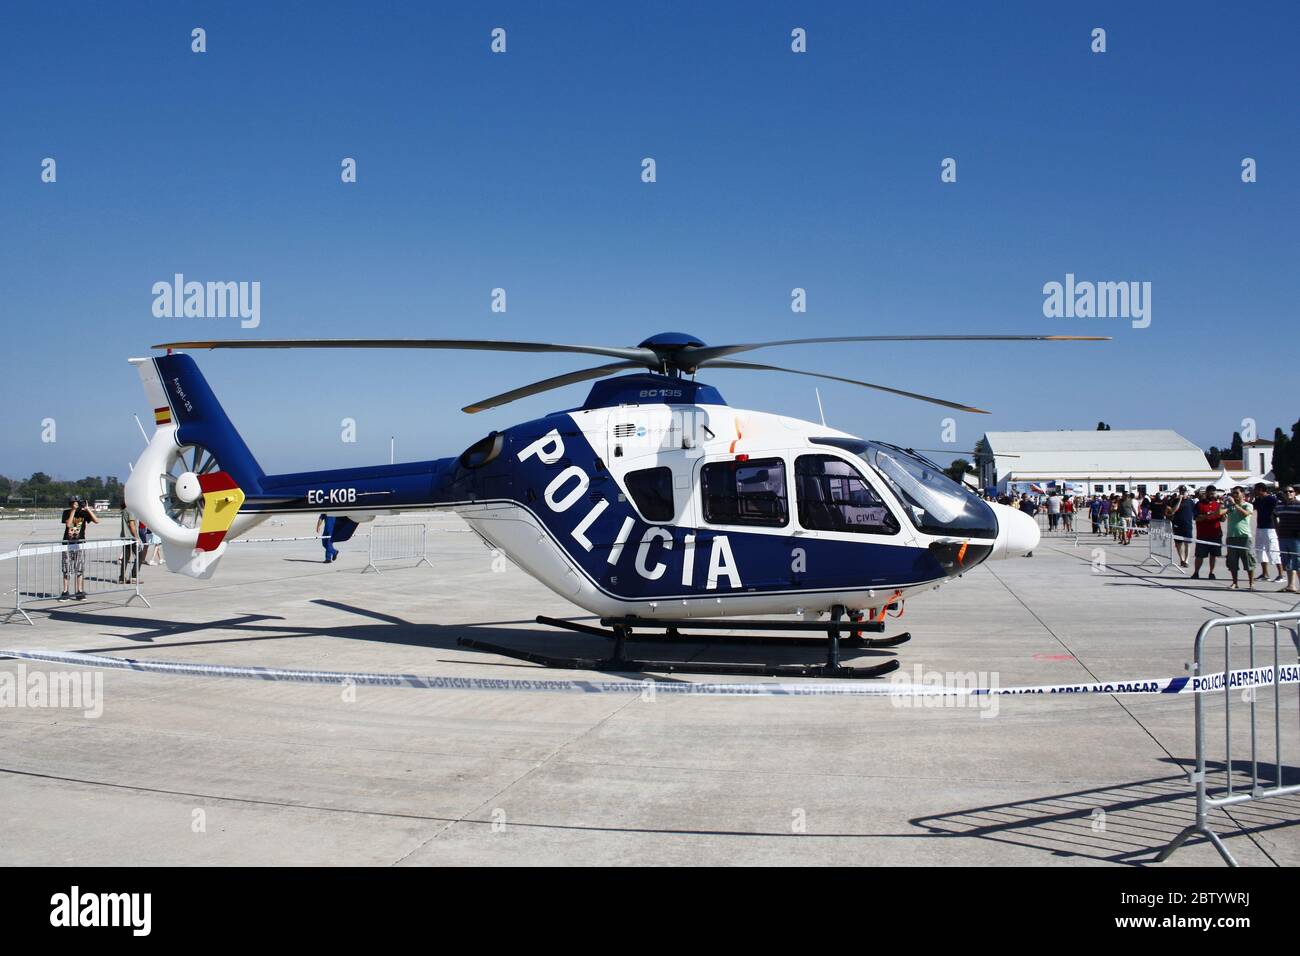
{"x": 1065, "y": 525}
{"x": 1165, "y": 553}
{"x": 1160, "y": 544}
{"x": 1162, "y": 541}
{"x": 1239, "y": 786}
{"x": 45, "y": 570}
{"x": 1079, "y": 524}
{"x": 396, "y": 542}
{"x": 59, "y": 570}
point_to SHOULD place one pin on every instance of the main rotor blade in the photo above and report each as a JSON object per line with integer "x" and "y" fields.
{"x": 635, "y": 354}
{"x": 850, "y": 381}
{"x": 710, "y": 352}
{"x": 547, "y": 384}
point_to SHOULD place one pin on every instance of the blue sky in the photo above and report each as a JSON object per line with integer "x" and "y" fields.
{"x": 522, "y": 171}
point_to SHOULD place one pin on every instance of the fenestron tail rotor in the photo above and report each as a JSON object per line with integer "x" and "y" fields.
{"x": 668, "y": 353}
{"x": 181, "y": 498}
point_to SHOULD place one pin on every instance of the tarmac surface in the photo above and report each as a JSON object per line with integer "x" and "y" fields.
{"x": 196, "y": 770}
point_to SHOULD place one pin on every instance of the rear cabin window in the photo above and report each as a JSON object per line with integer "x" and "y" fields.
{"x": 833, "y": 496}
{"x": 745, "y": 493}
{"x": 651, "y": 490}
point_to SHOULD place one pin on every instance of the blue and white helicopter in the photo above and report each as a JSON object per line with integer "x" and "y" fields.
{"x": 653, "y": 504}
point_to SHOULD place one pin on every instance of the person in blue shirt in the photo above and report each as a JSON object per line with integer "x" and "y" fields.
{"x": 1182, "y": 515}
{"x": 325, "y": 528}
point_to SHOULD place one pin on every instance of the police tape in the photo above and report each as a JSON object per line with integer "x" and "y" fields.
{"x": 1245, "y": 678}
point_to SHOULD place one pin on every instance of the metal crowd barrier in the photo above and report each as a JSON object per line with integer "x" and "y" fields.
{"x": 44, "y": 570}
{"x": 1160, "y": 545}
{"x": 396, "y": 542}
{"x": 1253, "y": 787}
{"x": 1165, "y": 557}
{"x": 1067, "y": 525}
{"x": 1079, "y": 525}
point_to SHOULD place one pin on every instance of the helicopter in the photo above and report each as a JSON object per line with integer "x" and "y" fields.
{"x": 654, "y": 504}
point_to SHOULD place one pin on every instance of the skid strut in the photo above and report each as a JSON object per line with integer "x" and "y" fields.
{"x": 622, "y": 631}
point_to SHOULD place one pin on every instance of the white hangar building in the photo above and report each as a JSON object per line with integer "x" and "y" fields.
{"x": 1140, "y": 460}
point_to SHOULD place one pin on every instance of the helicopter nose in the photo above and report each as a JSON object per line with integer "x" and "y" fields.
{"x": 1017, "y": 532}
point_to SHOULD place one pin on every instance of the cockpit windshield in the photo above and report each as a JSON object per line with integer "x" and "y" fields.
{"x": 935, "y": 503}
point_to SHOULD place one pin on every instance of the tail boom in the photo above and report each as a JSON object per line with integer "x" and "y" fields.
{"x": 224, "y": 480}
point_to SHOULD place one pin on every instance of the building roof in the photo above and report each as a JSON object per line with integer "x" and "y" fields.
{"x": 1121, "y": 452}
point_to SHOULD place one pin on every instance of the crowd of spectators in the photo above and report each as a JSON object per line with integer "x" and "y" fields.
{"x": 1250, "y": 530}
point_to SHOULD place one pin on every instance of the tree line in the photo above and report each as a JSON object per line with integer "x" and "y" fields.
{"x": 1286, "y": 454}
{"x": 42, "y": 491}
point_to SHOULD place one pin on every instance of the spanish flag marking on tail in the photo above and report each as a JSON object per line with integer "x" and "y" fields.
{"x": 221, "y": 502}
{"x": 162, "y": 416}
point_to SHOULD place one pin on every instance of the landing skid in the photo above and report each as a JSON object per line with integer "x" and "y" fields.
{"x": 620, "y": 630}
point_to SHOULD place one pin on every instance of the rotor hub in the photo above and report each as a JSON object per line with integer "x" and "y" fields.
{"x": 187, "y": 487}
{"x": 670, "y": 341}
{"x": 668, "y": 348}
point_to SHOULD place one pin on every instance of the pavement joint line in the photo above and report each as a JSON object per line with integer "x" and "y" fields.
{"x": 1196, "y": 596}
{"x": 1196, "y": 592}
{"x": 467, "y": 818}
{"x": 1156, "y": 740}
{"x": 1043, "y": 624}
{"x": 252, "y": 801}
{"x": 722, "y": 771}
{"x": 285, "y": 805}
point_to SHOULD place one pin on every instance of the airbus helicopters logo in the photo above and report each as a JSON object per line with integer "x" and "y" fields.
{"x": 570, "y": 486}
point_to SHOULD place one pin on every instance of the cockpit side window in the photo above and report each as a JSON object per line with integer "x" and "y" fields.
{"x": 833, "y": 496}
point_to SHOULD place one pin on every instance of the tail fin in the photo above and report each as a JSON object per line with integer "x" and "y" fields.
{"x": 218, "y": 477}
{"x": 179, "y": 393}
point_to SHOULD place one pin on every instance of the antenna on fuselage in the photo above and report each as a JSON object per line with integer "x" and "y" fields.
{"x": 820, "y": 411}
